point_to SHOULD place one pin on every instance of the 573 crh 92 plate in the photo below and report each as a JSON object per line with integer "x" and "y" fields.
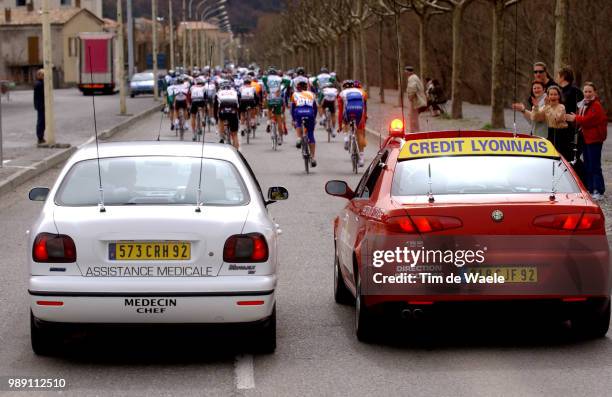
{"x": 149, "y": 250}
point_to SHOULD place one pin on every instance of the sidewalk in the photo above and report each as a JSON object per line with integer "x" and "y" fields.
{"x": 475, "y": 117}
{"x": 22, "y": 159}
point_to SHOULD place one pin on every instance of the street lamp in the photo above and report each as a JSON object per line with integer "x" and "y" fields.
{"x": 219, "y": 2}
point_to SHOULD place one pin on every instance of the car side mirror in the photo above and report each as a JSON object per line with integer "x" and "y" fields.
{"x": 38, "y": 194}
{"x": 340, "y": 189}
{"x": 277, "y": 193}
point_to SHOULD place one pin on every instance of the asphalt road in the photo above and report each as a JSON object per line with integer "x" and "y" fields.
{"x": 317, "y": 352}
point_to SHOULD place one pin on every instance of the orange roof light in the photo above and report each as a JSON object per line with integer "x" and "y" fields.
{"x": 396, "y": 128}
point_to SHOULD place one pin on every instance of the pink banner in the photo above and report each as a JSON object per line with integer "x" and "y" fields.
{"x": 96, "y": 55}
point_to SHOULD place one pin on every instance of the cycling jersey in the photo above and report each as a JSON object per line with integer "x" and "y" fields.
{"x": 273, "y": 86}
{"x": 322, "y": 80}
{"x": 198, "y": 93}
{"x": 352, "y": 106}
{"x": 238, "y": 82}
{"x": 181, "y": 91}
{"x": 247, "y": 92}
{"x": 303, "y": 107}
{"x": 210, "y": 90}
{"x": 226, "y": 107}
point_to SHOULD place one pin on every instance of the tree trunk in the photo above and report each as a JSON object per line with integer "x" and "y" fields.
{"x": 423, "y": 67}
{"x": 497, "y": 89}
{"x": 337, "y": 47}
{"x": 398, "y": 41}
{"x": 346, "y": 70}
{"x": 456, "y": 82}
{"x": 561, "y": 39}
{"x": 381, "y": 83}
{"x": 364, "y": 55}
{"x": 355, "y": 55}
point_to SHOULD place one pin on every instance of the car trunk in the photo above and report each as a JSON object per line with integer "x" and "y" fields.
{"x": 96, "y": 235}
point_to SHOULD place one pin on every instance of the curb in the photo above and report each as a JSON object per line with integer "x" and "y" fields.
{"x": 107, "y": 134}
{"x": 20, "y": 177}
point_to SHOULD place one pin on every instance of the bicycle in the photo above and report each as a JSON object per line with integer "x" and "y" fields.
{"x": 197, "y": 134}
{"x": 274, "y": 134}
{"x": 353, "y": 148}
{"x": 305, "y": 145}
{"x": 181, "y": 126}
{"x": 328, "y": 124}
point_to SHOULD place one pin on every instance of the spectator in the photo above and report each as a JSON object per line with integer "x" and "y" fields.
{"x": 39, "y": 105}
{"x": 592, "y": 120}
{"x": 416, "y": 95}
{"x": 435, "y": 98}
{"x": 537, "y": 101}
{"x": 553, "y": 113}
{"x": 571, "y": 97}
{"x": 540, "y": 73}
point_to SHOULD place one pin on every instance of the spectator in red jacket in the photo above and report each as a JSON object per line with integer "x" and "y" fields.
{"x": 592, "y": 120}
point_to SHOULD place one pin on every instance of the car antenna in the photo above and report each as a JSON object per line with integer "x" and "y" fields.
{"x": 553, "y": 191}
{"x": 515, "y": 69}
{"x": 199, "y": 191}
{"x": 93, "y": 103}
{"x": 430, "y": 197}
{"x": 399, "y": 67}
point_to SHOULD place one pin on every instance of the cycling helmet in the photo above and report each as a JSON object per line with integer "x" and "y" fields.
{"x": 271, "y": 71}
{"x": 180, "y": 79}
{"x": 324, "y": 70}
{"x": 300, "y": 71}
{"x": 302, "y": 86}
{"x": 200, "y": 80}
{"x": 226, "y": 85}
{"x": 172, "y": 73}
{"x": 348, "y": 84}
{"x": 357, "y": 84}
{"x": 247, "y": 80}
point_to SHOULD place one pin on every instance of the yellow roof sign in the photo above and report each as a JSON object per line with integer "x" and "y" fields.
{"x": 480, "y": 146}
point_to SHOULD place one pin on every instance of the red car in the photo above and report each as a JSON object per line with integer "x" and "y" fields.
{"x": 446, "y": 218}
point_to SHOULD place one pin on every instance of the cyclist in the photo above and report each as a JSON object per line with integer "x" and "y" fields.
{"x": 258, "y": 92}
{"x": 320, "y": 82}
{"x": 352, "y": 106}
{"x": 329, "y": 95}
{"x": 171, "y": 79}
{"x": 303, "y": 105}
{"x": 226, "y": 109}
{"x": 198, "y": 102}
{"x": 248, "y": 104}
{"x": 273, "y": 87}
{"x": 210, "y": 89}
{"x": 238, "y": 81}
{"x": 181, "y": 101}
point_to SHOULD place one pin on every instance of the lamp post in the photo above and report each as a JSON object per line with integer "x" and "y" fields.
{"x": 171, "y": 21}
{"x": 121, "y": 74}
{"x": 154, "y": 21}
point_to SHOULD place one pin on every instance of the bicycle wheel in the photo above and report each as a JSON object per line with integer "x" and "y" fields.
{"x": 274, "y": 137}
{"x": 248, "y": 133}
{"x": 306, "y": 153}
{"x": 354, "y": 155}
{"x": 327, "y": 125}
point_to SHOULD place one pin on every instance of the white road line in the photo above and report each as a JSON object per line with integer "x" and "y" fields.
{"x": 243, "y": 367}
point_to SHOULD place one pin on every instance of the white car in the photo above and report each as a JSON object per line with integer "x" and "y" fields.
{"x": 140, "y": 249}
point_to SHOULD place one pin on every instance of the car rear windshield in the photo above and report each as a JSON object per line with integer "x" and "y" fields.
{"x": 143, "y": 77}
{"x": 153, "y": 180}
{"x": 481, "y": 175}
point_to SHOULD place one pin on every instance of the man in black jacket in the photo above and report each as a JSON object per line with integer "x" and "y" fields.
{"x": 39, "y": 105}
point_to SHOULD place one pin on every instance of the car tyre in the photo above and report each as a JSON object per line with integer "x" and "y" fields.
{"x": 44, "y": 338}
{"x": 593, "y": 323}
{"x": 266, "y": 338}
{"x": 364, "y": 323}
{"x": 342, "y": 295}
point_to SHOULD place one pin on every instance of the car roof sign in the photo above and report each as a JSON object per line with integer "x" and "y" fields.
{"x": 477, "y": 146}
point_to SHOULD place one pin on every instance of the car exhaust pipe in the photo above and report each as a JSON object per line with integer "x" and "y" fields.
{"x": 406, "y": 314}
{"x": 417, "y": 314}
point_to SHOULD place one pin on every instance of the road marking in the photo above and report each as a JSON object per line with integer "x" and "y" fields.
{"x": 5, "y": 161}
{"x": 243, "y": 367}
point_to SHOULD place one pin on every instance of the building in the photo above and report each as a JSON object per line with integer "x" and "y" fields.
{"x": 21, "y": 56}
{"x": 94, "y": 6}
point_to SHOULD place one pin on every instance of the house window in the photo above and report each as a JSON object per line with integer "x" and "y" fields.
{"x": 21, "y": 3}
{"x": 65, "y": 2}
{"x": 72, "y": 46}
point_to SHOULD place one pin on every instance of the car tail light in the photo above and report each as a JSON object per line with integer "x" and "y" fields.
{"x": 422, "y": 224}
{"x": 250, "y": 247}
{"x": 53, "y": 248}
{"x": 570, "y": 222}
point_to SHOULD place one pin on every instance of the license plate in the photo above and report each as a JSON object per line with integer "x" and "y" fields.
{"x": 511, "y": 274}
{"x": 150, "y": 251}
